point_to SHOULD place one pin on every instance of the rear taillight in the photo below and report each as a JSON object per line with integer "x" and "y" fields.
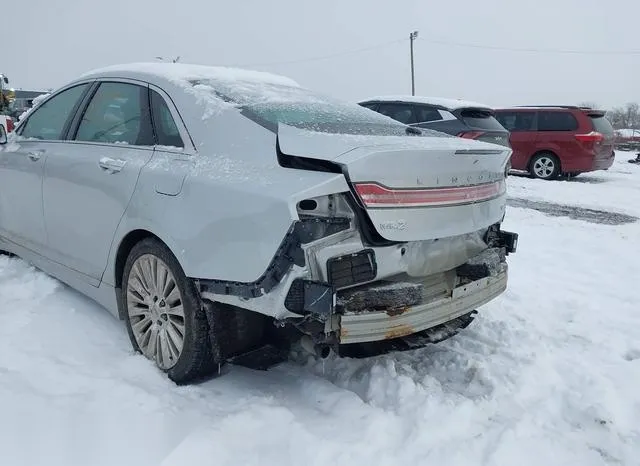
{"x": 470, "y": 134}
{"x": 10, "y": 125}
{"x": 593, "y": 136}
{"x": 377, "y": 196}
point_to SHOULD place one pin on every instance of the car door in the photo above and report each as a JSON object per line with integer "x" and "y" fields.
{"x": 22, "y": 167}
{"x": 556, "y": 133}
{"x": 87, "y": 188}
{"x": 521, "y": 126}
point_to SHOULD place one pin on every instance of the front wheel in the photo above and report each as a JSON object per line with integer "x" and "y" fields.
{"x": 165, "y": 318}
{"x": 545, "y": 166}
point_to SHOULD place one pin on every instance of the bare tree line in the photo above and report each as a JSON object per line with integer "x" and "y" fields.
{"x": 627, "y": 116}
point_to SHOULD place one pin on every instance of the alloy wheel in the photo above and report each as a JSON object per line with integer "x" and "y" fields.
{"x": 544, "y": 167}
{"x": 156, "y": 312}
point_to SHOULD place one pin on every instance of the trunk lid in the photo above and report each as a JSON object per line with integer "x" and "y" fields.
{"x": 414, "y": 187}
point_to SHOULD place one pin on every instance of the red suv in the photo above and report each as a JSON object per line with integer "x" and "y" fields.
{"x": 550, "y": 141}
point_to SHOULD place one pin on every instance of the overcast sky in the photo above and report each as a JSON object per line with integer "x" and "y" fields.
{"x": 46, "y": 43}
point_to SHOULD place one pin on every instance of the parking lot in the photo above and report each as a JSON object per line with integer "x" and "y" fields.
{"x": 547, "y": 374}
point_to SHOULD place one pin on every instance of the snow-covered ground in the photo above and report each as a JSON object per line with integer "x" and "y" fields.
{"x": 548, "y": 374}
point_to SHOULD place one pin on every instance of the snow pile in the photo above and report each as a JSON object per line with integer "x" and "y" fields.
{"x": 548, "y": 374}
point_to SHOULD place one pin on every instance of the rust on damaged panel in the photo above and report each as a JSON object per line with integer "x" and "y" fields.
{"x": 393, "y": 312}
{"x": 398, "y": 331}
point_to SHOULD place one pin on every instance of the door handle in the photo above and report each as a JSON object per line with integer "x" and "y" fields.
{"x": 35, "y": 155}
{"x": 112, "y": 165}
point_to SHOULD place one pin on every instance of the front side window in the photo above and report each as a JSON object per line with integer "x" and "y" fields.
{"x": 117, "y": 114}
{"x": 48, "y": 121}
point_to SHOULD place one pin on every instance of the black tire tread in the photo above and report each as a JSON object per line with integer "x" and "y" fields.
{"x": 200, "y": 357}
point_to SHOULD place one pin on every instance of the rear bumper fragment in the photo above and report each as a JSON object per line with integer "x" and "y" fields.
{"x": 381, "y": 325}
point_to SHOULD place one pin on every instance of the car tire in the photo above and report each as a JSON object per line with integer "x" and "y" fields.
{"x": 165, "y": 318}
{"x": 545, "y": 166}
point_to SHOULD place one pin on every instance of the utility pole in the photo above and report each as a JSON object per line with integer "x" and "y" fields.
{"x": 412, "y": 36}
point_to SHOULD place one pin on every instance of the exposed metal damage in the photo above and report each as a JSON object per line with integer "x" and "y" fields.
{"x": 339, "y": 293}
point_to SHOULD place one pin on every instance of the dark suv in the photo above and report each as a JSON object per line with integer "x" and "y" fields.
{"x": 548, "y": 141}
{"x": 456, "y": 117}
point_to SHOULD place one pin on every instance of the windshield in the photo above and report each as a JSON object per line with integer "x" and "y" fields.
{"x": 271, "y": 104}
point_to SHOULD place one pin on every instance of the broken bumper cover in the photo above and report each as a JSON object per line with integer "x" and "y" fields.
{"x": 383, "y": 325}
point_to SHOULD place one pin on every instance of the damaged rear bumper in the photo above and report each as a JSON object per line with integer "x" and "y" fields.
{"x": 443, "y": 306}
{"x": 338, "y": 291}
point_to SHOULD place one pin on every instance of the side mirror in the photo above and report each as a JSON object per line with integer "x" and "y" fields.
{"x": 6, "y": 80}
{"x": 3, "y": 135}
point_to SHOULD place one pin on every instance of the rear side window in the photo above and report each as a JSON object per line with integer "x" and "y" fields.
{"x": 48, "y": 121}
{"x": 516, "y": 121}
{"x": 481, "y": 120}
{"x": 167, "y": 133}
{"x": 447, "y": 115}
{"x": 601, "y": 124}
{"x": 425, "y": 114}
{"x": 117, "y": 114}
{"x": 399, "y": 112}
{"x": 557, "y": 121}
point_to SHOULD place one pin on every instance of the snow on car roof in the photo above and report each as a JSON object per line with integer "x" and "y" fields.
{"x": 451, "y": 104}
{"x": 186, "y": 72}
{"x": 200, "y": 80}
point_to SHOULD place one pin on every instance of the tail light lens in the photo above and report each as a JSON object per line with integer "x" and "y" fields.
{"x": 375, "y": 195}
{"x": 10, "y": 125}
{"x": 592, "y": 137}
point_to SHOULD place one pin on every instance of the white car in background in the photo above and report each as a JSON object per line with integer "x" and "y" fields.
{"x": 223, "y": 214}
{"x": 7, "y": 123}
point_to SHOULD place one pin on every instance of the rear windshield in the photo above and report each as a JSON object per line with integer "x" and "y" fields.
{"x": 481, "y": 120}
{"x": 271, "y": 104}
{"x": 601, "y": 124}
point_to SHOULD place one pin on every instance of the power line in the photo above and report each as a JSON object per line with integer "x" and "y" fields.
{"x": 533, "y": 50}
{"x": 447, "y": 43}
{"x": 326, "y": 57}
